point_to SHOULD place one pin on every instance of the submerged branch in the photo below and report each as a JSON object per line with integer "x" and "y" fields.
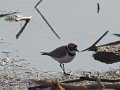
{"x": 45, "y": 19}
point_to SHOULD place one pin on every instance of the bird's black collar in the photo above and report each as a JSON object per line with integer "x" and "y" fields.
{"x": 69, "y": 53}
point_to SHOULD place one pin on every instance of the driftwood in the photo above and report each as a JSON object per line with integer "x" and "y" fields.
{"x": 107, "y": 53}
{"x": 115, "y": 86}
{"x": 27, "y": 20}
{"x": 12, "y": 17}
{"x": 93, "y": 47}
{"x": 107, "y": 86}
{"x": 45, "y": 19}
{"x": 17, "y": 18}
{"x": 91, "y": 79}
{"x": 64, "y": 84}
{"x": 56, "y": 85}
{"x": 99, "y": 83}
{"x": 6, "y": 14}
{"x": 48, "y": 82}
{"x": 117, "y": 34}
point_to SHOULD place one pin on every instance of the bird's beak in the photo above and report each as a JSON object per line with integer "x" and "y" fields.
{"x": 77, "y": 50}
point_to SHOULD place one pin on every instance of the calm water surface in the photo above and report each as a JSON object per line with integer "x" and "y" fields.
{"x": 74, "y": 20}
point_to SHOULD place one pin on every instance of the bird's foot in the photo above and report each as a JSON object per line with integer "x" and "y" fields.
{"x": 66, "y": 74}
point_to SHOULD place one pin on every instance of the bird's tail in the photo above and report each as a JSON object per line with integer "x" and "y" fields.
{"x": 44, "y": 53}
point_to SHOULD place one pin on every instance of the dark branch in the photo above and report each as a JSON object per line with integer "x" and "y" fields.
{"x": 117, "y": 35}
{"x": 98, "y": 7}
{"x": 3, "y": 15}
{"x": 45, "y": 19}
{"x": 90, "y": 79}
{"x": 92, "y": 47}
{"x": 19, "y": 33}
{"x": 38, "y": 3}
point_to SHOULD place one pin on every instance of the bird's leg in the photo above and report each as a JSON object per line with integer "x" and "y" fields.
{"x": 63, "y": 68}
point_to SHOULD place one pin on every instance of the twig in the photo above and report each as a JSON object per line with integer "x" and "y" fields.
{"x": 45, "y": 19}
{"x": 90, "y": 79}
{"x": 18, "y": 18}
{"x": 98, "y": 7}
{"x": 3, "y": 15}
{"x": 57, "y": 85}
{"x": 93, "y": 46}
{"x": 38, "y": 3}
{"x": 99, "y": 83}
{"x": 46, "y": 83}
{"x": 65, "y": 86}
{"x": 114, "y": 86}
{"x": 117, "y": 35}
{"x": 19, "y": 33}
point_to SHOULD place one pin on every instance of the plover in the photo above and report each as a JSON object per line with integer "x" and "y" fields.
{"x": 63, "y": 54}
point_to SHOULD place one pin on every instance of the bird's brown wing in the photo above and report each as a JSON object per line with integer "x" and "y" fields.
{"x": 58, "y": 52}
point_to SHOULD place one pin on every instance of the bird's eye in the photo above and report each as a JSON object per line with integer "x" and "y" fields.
{"x": 75, "y": 46}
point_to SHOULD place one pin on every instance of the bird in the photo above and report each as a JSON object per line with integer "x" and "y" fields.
{"x": 98, "y": 7}
{"x": 63, "y": 54}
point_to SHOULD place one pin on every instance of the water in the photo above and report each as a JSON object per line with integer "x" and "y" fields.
{"x": 74, "y": 21}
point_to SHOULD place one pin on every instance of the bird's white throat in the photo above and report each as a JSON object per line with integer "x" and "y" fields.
{"x": 72, "y": 52}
